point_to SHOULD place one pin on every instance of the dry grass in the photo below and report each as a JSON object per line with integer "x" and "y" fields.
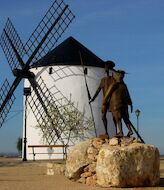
{"x": 18, "y": 175}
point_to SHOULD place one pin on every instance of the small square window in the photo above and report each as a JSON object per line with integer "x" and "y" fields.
{"x": 50, "y": 70}
{"x": 85, "y": 71}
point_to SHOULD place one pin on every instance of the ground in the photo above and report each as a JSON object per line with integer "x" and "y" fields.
{"x": 31, "y": 175}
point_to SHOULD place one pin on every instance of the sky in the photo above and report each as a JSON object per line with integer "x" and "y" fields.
{"x": 128, "y": 32}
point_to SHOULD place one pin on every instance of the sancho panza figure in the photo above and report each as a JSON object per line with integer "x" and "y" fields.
{"x": 118, "y": 98}
{"x": 104, "y": 85}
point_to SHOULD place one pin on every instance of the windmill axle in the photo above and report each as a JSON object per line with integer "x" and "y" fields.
{"x": 23, "y": 73}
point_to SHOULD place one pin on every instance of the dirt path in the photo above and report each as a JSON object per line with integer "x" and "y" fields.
{"x": 18, "y": 175}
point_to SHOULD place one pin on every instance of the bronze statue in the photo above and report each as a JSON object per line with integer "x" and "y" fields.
{"x": 118, "y": 98}
{"x": 104, "y": 85}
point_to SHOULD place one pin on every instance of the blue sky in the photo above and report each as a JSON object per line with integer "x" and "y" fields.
{"x": 129, "y": 32}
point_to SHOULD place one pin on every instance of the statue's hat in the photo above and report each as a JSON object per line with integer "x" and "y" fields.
{"x": 121, "y": 71}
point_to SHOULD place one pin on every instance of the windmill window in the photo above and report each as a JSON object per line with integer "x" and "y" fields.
{"x": 85, "y": 71}
{"x": 50, "y": 70}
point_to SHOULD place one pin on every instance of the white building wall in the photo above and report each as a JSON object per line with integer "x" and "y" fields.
{"x": 69, "y": 80}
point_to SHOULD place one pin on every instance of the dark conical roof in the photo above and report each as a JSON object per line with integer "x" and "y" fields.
{"x": 67, "y": 53}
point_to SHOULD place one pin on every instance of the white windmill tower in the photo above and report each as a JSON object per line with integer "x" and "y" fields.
{"x": 62, "y": 71}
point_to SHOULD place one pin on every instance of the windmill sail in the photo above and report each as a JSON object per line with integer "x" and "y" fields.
{"x": 5, "y": 88}
{"x": 9, "y": 37}
{"x": 40, "y": 102}
{"x": 51, "y": 27}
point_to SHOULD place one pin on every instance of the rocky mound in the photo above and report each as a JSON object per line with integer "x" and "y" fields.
{"x": 124, "y": 162}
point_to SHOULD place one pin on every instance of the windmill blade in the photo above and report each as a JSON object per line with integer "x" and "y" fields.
{"x": 48, "y": 32}
{"x": 7, "y": 99}
{"x": 40, "y": 103}
{"x": 40, "y": 116}
{"x": 11, "y": 43}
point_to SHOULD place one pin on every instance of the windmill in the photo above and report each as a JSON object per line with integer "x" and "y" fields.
{"x": 20, "y": 57}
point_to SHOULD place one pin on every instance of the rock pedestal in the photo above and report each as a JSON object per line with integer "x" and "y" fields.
{"x": 114, "y": 163}
{"x": 129, "y": 166}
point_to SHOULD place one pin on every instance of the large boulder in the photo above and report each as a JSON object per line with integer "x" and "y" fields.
{"x": 77, "y": 159}
{"x": 81, "y": 161}
{"x": 114, "y": 162}
{"x": 128, "y": 166}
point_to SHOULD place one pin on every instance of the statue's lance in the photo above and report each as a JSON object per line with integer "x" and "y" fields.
{"x": 88, "y": 93}
{"x": 138, "y": 135}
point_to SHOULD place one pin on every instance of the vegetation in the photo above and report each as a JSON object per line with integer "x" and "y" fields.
{"x": 66, "y": 120}
{"x": 19, "y": 145}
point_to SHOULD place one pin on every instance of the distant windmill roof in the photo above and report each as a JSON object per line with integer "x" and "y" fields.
{"x": 67, "y": 53}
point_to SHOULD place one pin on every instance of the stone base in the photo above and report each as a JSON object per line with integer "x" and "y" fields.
{"x": 136, "y": 165}
{"x": 114, "y": 162}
